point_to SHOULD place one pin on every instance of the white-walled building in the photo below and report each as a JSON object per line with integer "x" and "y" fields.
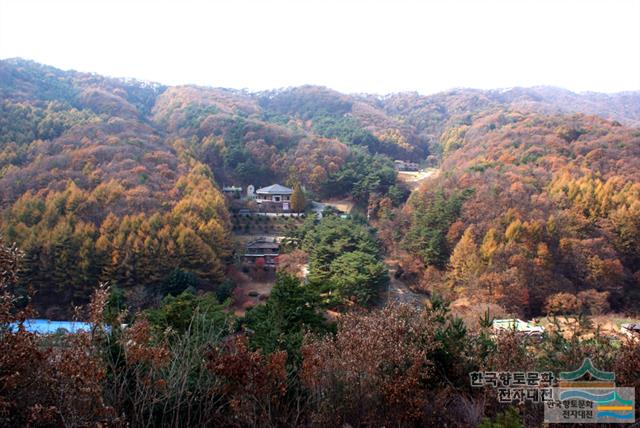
{"x": 275, "y": 196}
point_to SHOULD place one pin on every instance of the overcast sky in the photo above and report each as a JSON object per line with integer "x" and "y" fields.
{"x": 351, "y": 46}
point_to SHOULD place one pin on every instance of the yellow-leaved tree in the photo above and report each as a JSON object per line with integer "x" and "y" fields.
{"x": 298, "y": 201}
{"x": 464, "y": 264}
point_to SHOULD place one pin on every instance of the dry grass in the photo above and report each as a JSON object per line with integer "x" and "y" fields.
{"x": 608, "y": 324}
{"x": 472, "y": 311}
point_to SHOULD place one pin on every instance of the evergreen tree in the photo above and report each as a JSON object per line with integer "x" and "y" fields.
{"x": 177, "y": 312}
{"x": 358, "y": 277}
{"x": 179, "y": 281}
{"x": 430, "y": 222}
{"x": 63, "y": 256}
{"x": 280, "y": 324}
{"x": 197, "y": 257}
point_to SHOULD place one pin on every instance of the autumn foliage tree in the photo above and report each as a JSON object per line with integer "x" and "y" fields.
{"x": 373, "y": 372}
{"x": 464, "y": 262}
{"x": 551, "y": 202}
{"x": 298, "y": 202}
{"x": 46, "y": 386}
{"x": 68, "y": 251}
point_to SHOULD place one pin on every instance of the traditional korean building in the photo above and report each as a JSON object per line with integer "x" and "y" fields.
{"x": 262, "y": 249}
{"x": 274, "y": 197}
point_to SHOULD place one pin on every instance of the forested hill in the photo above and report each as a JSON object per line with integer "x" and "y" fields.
{"x": 537, "y": 214}
{"x": 118, "y": 180}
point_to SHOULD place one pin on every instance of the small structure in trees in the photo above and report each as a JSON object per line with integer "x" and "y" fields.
{"x": 251, "y": 192}
{"x": 402, "y": 165}
{"x": 519, "y": 326}
{"x": 262, "y": 251}
{"x": 631, "y": 330}
{"x": 233, "y": 191}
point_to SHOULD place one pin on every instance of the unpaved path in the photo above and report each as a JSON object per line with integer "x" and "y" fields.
{"x": 413, "y": 179}
{"x": 398, "y": 291}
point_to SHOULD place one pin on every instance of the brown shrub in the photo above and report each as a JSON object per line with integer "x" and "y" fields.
{"x": 374, "y": 372}
{"x": 594, "y": 302}
{"x": 40, "y": 385}
{"x": 253, "y": 385}
{"x": 562, "y": 303}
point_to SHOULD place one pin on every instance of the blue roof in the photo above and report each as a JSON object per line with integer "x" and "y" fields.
{"x": 41, "y": 326}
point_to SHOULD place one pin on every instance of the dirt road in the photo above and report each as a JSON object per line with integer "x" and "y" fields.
{"x": 413, "y": 179}
{"x": 397, "y": 291}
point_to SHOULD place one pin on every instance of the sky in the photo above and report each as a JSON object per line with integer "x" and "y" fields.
{"x": 349, "y": 45}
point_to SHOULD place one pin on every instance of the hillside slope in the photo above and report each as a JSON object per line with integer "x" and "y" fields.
{"x": 114, "y": 179}
{"x": 526, "y": 207}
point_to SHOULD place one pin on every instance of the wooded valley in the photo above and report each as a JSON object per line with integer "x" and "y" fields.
{"x": 113, "y": 210}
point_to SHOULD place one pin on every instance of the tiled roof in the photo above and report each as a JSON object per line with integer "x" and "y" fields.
{"x": 263, "y": 245}
{"x": 275, "y": 189}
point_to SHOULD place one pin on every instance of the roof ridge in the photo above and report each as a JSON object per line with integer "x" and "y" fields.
{"x": 274, "y": 187}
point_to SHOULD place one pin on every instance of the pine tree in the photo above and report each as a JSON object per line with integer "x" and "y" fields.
{"x": 32, "y": 267}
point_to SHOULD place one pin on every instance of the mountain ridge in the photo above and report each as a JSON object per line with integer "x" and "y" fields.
{"x": 101, "y": 178}
{"x": 536, "y": 93}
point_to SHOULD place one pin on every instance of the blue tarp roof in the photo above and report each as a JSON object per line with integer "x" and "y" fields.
{"x": 50, "y": 327}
